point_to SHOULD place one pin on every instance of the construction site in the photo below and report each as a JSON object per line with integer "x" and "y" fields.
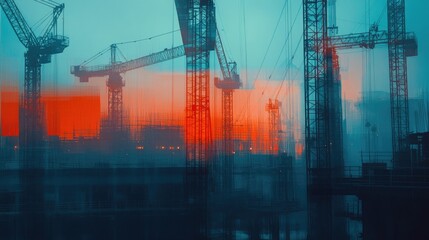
{"x": 214, "y": 119}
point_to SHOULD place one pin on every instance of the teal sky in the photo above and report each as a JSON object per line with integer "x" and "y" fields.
{"x": 247, "y": 28}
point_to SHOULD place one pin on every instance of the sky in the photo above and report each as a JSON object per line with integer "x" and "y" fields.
{"x": 263, "y": 37}
{"x": 246, "y": 26}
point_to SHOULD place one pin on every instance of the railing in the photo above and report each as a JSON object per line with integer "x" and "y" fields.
{"x": 376, "y": 157}
{"x": 397, "y": 177}
{"x": 371, "y": 175}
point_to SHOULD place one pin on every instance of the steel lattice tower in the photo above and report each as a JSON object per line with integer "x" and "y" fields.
{"x": 228, "y": 142}
{"x": 398, "y": 79}
{"x": 335, "y": 110}
{"x": 315, "y": 84}
{"x": 273, "y": 109}
{"x": 227, "y": 119}
{"x": 230, "y": 82}
{"x": 31, "y": 136}
{"x": 115, "y": 85}
{"x": 198, "y": 29}
{"x": 197, "y": 23}
{"x": 317, "y": 124}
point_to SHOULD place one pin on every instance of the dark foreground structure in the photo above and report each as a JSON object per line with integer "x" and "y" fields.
{"x": 147, "y": 203}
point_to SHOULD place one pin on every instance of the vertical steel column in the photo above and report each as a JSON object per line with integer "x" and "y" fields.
{"x": 200, "y": 37}
{"x": 316, "y": 97}
{"x": 317, "y": 142}
{"x": 228, "y": 144}
{"x": 335, "y": 111}
{"x": 198, "y": 29}
{"x": 398, "y": 80}
{"x": 115, "y": 112}
{"x": 32, "y": 132}
{"x": 227, "y": 118}
{"x": 273, "y": 109}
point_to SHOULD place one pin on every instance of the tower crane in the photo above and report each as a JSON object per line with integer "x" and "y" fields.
{"x": 198, "y": 29}
{"x": 39, "y": 51}
{"x": 398, "y": 80}
{"x": 274, "y": 125}
{"x": 230, "y": 82}
{"x": 115, "y": 81}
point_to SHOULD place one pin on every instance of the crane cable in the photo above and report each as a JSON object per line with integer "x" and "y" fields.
{"x": 50, "y": 4}
{"x": 271, "y": 41}
{"x": 284, "y": 45}
{"x": 122, "y": 54}
{"x": 102, "y": 52}
{"x": 148, "y": 38}
{"x": 381, "y": 15}
{"x": 289, "y": 34}
{"x": 288, "y": 66}
{"x": 263, "y": 60}
{"x": 41, "y": 21}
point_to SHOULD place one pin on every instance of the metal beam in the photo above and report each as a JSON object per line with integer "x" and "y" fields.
{"x": 398, "y": 81}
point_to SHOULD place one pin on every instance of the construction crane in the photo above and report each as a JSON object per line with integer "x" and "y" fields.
{"x": 230, "y": 82}
{"x": 398, "y": 82}
{"x": 115, "y": 82}
{"x": 316, "y": 101}
{"x": 318, "y": 119}
{"x": 198, "y": 28}
{"x": 274, "y": 125}
{"x": 39, "y": 51}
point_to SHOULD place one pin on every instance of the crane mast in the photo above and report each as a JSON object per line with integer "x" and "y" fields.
{"x": 316, "y": 101}
{"x": 198, "y": 28}
{"x": 274, "y": 125}
{"x": 230, "y": 82}
{"x": 398, "y": 82}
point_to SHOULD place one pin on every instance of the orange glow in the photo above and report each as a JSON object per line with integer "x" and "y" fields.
{"x": 9, "y": 111}
{"x": 72, "y": 114}
{"x": 299, "y": 149}
{"x": 150, "y": 99}
{"x": 255, "y": 126}
{"x": 351, "y": 78}
{"x": 68, "y": 114}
